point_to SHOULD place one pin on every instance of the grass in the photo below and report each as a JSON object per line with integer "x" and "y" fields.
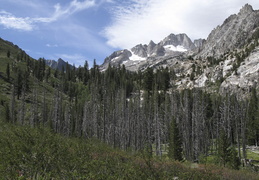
{"x": 252, "y": 155}
{"x": 37, "y": 153}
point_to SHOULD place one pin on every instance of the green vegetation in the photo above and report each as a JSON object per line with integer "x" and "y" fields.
{"x": 38, "y": 153}
{"x": 80, "y": 123}
{"x": 175, "y": 142}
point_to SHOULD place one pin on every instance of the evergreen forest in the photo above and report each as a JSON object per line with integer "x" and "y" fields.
{"x": 83, "y": 123}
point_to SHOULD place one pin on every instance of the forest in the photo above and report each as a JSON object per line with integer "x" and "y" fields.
{"x": 130, "y": 111}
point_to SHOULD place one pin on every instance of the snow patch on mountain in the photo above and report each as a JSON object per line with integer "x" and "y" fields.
{"x": 135, "y": 57}
{"x": 175, "y": 48}
{"x": 114, "y": 59}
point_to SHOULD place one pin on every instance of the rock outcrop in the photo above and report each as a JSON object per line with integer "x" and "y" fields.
{"x": 228, "y": 60}
{"x": 141, "y": 56}
{"x": 232, "y": 34}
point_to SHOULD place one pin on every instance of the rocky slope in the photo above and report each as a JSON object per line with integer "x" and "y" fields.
{"x": 227, "y": 60}
{"x": 142, "y": 56}
{"x": 232, "y": 34}
{"x": 246, "y": 76}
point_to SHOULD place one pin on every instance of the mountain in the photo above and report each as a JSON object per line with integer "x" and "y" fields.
{"x": 226, "y": 60}
{"x": 232, "y": 34}
{"x": 57, "y": 64}
{"x": 139, "y": 56}
{"x": 55, "y": 120}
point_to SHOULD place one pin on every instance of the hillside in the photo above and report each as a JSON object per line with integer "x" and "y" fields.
{"x": 130, "y": 111}
{"x": 115, "y": 122}
{"x": 38, "y": 153}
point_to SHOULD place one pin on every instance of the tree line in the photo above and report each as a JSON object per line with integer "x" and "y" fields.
{"x": 132, "y": 110}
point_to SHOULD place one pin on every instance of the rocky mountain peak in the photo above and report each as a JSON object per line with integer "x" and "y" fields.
{"x": 137, "y": 57}
{"x": 59, "y": 64}
{"x": 151, "y": 43}
{"x": 178, "y": 40}
{"x": 202, "y": 62}
{"x": 246, "y": 9}
{"x": 150, "y": 47}
{"x": 232, "y": 34}
{"x": 140, "y": 50}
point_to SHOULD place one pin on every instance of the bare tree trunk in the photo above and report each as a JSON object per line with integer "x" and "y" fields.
{"x": 34, "y": 117}
{"x": 12, "y": 106}
{"x": 56, "y": 112}
{"x": 186, "y": 125}
{"x": 67, "y": 123}
{"x": 157, "y": 125}
{"x": 85, "y": 121}
{"x": 22, "y": 108}
{"x": 44, "y": 109}
{"x": 243, "y": 129}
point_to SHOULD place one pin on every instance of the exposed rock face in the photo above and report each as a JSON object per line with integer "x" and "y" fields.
{"x": 140, "y": 50}
{"x": 141, "y": 56}
{"x": 150, "y": 48}
{"x": 178, "y": 40}
{"x": 117, "y": 58}
{"x": 199, "y": 43}
{"x": 232, "y": 34}
{"x": 57, "y": 64}
{"x": 246, "y": 76}
{"x": 212, "y": 64}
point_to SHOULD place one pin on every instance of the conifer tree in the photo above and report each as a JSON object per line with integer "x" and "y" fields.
{"x": 8, "y": 71}
{"x": 8, "y": 54}
{"x": 148, "y": 80}
{"x": 223, "y": 148}
{"x": 18, "y": 83}
{"x": 175, "y": 143}
{"x": 234, "y": 161}
{"x": 253, "y": 123}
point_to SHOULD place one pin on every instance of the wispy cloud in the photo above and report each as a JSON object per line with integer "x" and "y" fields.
{"x": 74, "y": 6}
{"x": 139, "y": 21}
{"x": 10, "y": 21}
{"x": 51, "y": 45}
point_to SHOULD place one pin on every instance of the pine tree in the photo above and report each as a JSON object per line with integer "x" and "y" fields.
{"x": 18, "y": 83}
{"x": 175, "y": 143}
{"x": 8, "y": 71}
{"x": 223, "y": 148}
{"x": 8, "y": 54}
{"x": 234, "y": 161}
{"x": 253, "y": 123}
{"x": 148, "y": 80}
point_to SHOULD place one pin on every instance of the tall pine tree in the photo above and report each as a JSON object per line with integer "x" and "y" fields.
{"x": 175, "y": 143}
{"x": 223, "y": 148}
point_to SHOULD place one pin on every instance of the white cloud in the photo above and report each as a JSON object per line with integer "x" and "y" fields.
{"x": 51, "y": 45}
{"x": 10, "y": 21}
{"x": 73, "y": 7}
{"x": 139, "y": 21}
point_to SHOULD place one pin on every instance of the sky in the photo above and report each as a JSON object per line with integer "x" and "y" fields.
{"x": 80, "y": 30}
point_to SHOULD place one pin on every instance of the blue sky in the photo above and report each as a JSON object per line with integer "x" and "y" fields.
{"x": 79, "y": 30}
